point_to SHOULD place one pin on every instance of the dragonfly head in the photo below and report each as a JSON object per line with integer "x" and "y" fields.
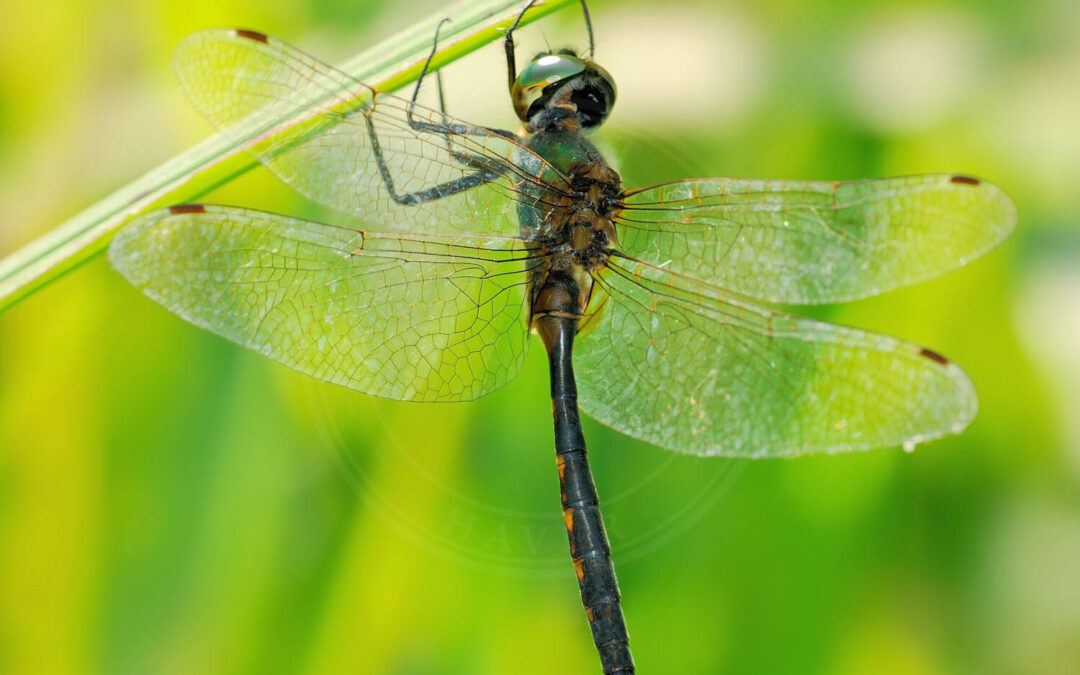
{"x": 564, "y": 81}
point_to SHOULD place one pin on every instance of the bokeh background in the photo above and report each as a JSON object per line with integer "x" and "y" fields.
{"x": 170, "y": 503}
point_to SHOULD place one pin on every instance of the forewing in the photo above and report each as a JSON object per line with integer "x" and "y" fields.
{"x": 389, "y": 315}
{"x": 814, "y": 242}
{"x": 330, "y": 151}
{"x": 690, "y": 369}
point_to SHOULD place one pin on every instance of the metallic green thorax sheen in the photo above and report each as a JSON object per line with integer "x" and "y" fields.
{"x": 566, "y": 151}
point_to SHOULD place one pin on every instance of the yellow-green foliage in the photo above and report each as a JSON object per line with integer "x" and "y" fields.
{"x": 171, "y": 503}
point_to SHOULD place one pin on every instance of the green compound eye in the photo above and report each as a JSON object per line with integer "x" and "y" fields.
{"x": 548, "y": 69}
{"x": 544, "y": 70}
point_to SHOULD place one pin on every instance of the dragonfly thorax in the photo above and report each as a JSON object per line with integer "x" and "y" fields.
{"x": 569, "y": 219}
{"x": 575, "y": 237}
{"x": 597, "y": 193}
{"x": 579, "y": 226}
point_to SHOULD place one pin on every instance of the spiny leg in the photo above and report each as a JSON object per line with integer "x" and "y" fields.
{"x": 485, "y": 169}
{"x": 485, "y": 173}
{"x": 445, "y": 128}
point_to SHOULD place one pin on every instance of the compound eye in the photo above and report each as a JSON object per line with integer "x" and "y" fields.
{"x": 542, "y": 71}
{"x": 605, "y": 77}
{"x": 596, "y": 97}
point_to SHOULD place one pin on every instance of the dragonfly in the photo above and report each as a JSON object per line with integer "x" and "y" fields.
{"x": 652, "y": 303}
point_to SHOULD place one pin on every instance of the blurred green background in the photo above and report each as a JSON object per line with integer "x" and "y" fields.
{"x": 170, "y": 503}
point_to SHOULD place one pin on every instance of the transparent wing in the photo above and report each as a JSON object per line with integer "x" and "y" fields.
{"x": 814, "y": 242}
{"x": 389, "y": 315}
{"x": 689, "y": 369}
{"x": 331, "y": 153}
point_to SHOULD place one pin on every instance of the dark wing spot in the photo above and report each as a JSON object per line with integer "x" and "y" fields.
{"x": 964, "y": 180}
{"x": 187, "y": 208}
{"x": 934, "y": 356}
{"x": 251, "y": 35}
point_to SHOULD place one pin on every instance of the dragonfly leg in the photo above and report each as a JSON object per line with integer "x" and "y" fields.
{"x": 485, "y": 172}
{"x": 445, "y": 128}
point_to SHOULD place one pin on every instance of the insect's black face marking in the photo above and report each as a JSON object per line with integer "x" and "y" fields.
{"x": 593, "y": 102}
{"x": 561, "y": 89}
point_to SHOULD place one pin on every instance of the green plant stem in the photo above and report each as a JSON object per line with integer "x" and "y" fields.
{"x": 390, "y": 65}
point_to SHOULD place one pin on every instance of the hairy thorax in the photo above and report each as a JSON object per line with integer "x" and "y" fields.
{"x": 572, "y": 231}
